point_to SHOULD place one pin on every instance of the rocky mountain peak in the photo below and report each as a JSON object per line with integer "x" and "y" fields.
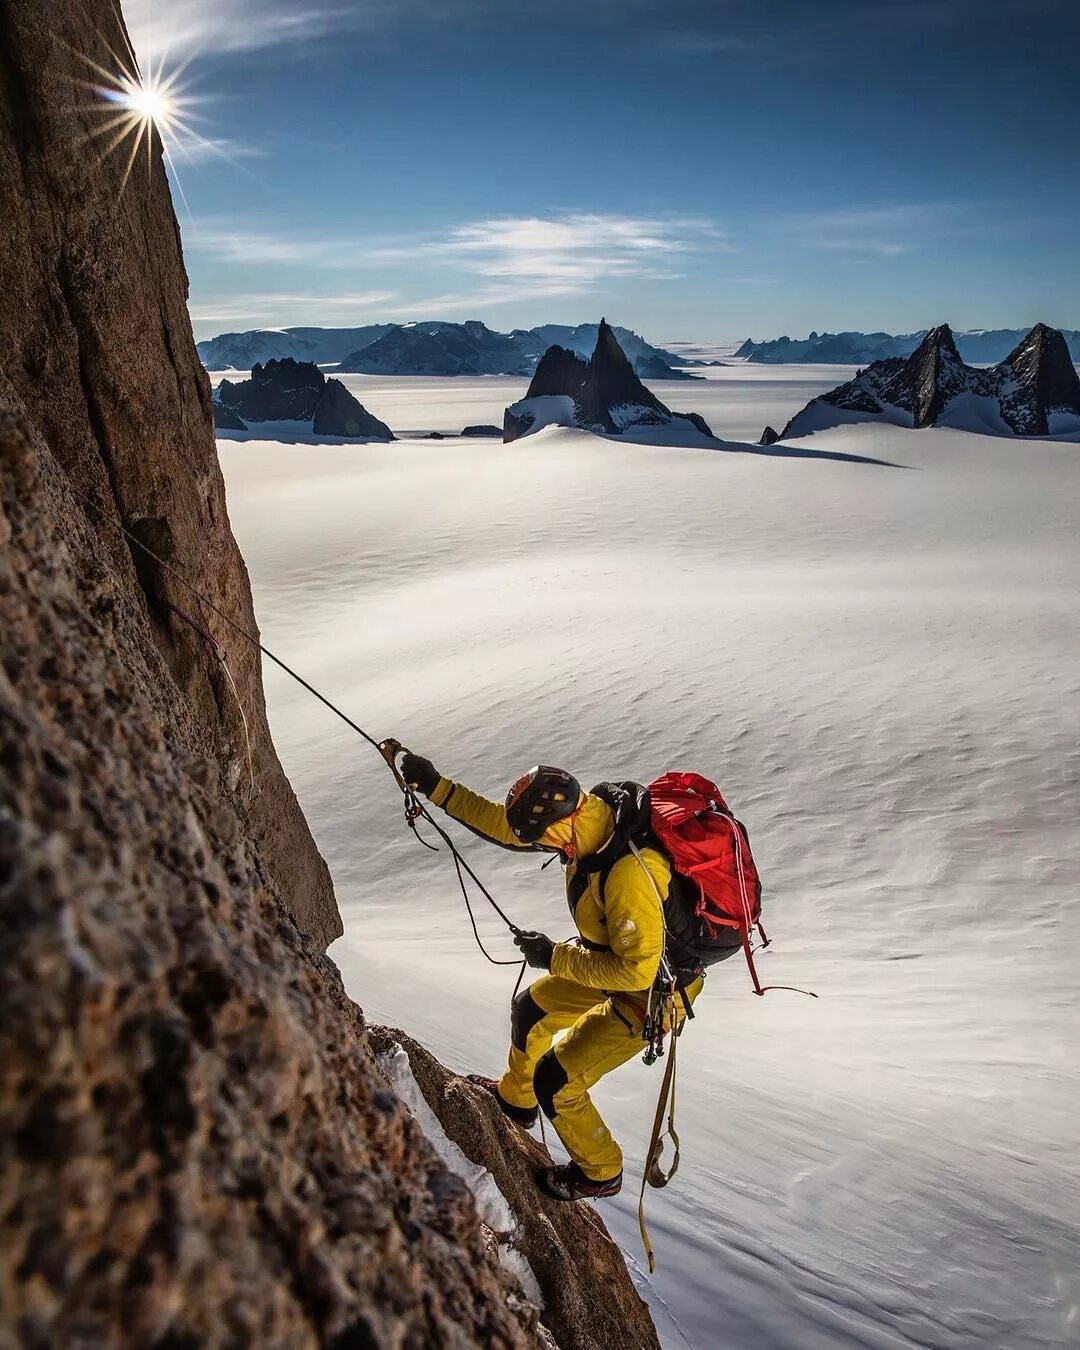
{"x": 1047, "y": 382}
{"x": 603, "y": 394}
{"x": 1033, "y": 392}
{"x": 287, "y": 390}
{"x": 933, "y": 370}
{"x": 559, "y": 371}
{"x": 288, "y": 373}
{"x": 610, "y": 382}
{"x": 938, "y": 342}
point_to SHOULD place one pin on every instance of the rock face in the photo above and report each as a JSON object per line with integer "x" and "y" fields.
{"x": 295, "y": 391}
{"x": 97, "y": 354}
{"x": 197, "y": 1145}
{"x": 338, "y": 413}
{"x": 483, "y": 429}
{"x": 567, "y": 1247}
{"x": 1034, "y": 392}
{"x": 602, "y": 395}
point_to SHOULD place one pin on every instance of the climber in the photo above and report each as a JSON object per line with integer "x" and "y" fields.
{"x": 599, "y": 988}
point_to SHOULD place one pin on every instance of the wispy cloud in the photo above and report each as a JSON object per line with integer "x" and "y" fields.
{"x": 565, "y": 253}
{"x": 180, "y": 29}
{"x": 285, "y": 310}
{"x": 881, "y": 231}
{"x": 234, "y": 243}
{"x": 486, "y": 262}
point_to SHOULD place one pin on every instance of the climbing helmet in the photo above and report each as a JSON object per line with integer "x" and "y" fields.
{"x": 538, "y": 799}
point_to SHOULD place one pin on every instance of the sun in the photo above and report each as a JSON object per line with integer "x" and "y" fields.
{"x": 152, "y": 105}
{"x": 130, "y": 105}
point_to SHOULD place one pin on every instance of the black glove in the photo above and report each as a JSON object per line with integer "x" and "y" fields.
{"x": 536, "y": 948}
{"x": 420, "y": 773}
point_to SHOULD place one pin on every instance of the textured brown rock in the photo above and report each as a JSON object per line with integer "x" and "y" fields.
{"x": 193, "y": 1140}
{"x": 96, "y": 342}
{"x": 589, "y": 1304}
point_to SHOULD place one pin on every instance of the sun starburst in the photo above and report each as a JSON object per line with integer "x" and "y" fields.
{"x": 130, "y": 105}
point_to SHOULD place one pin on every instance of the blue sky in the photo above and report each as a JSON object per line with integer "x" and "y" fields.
{"x": 693, "y": 170}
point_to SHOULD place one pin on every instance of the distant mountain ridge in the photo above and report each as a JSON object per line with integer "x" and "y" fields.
{"x": 978, "y": 346}
{"x": 431, "y": 347}
{"x": 1035, "y": 391}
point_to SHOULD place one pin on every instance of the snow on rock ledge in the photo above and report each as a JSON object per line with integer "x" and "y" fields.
{"x": 494, "y": 1211}
{"x": 588, "y": 1298}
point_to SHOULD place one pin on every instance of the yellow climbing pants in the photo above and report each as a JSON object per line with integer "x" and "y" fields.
{"x": 602, "y": 1032}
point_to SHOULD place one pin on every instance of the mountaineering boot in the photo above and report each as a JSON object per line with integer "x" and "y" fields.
{"x": 525, "y": 1116}
{"x": 569, "y": 1182}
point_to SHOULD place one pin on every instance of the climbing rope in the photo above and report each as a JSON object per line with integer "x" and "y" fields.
{"x": 388, "y": 749}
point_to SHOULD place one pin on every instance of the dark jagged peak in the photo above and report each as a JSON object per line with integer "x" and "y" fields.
{"x": 295, "y": 391}
{"x": 1048, "y": 387}
{"x": 611, "y": 385}
{"x": 340, "y": 414}
{"x": 936, "y": 374}
{"x": 559, "y": 371}
{"x": 1034, "y": 392}
{"x": 288, "y": 373}
{"x": 769, "y": 436}
{"x": 602, "y": 395}
{"x": 278, "y": 391}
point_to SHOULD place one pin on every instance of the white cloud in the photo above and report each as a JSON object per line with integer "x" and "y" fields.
{"x": 573, "y": 251}
{"x": 286, "y": 310}
{"x": 241, "y": 244}
{"x": 513, "y": 255}
{"x": 179, "y": 29}
{"x": 484, "y": 263}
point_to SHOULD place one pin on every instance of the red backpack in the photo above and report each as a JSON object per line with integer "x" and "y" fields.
{"x": 709, "y": 847}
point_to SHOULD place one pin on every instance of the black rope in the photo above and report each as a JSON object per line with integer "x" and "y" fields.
{"x": 414, "y": 808}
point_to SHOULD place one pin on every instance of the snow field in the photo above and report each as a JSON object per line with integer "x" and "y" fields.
{"x": 879, "y": 666}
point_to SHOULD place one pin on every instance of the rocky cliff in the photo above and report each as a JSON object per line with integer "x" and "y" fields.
{"x": 96, "y": 352}
{"x": 198, "y": 1146}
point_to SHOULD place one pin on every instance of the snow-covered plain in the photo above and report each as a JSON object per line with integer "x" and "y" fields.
{"x": 881, "y": 667}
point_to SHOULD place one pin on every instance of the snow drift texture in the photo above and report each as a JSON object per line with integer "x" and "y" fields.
{"x": 196, "y": 1144}
{"x": 602, "y": 394}
{"x": 1033, "y": 392}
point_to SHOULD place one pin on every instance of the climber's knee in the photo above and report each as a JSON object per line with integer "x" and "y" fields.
{"x": 525, "y": 1013}
{"x": 550, "y": 1078}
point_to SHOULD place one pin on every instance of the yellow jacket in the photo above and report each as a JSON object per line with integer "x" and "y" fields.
{"x": 621, "y": 930}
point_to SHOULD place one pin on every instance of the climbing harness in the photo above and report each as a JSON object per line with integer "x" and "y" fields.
{"x": 388, "y": 749}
